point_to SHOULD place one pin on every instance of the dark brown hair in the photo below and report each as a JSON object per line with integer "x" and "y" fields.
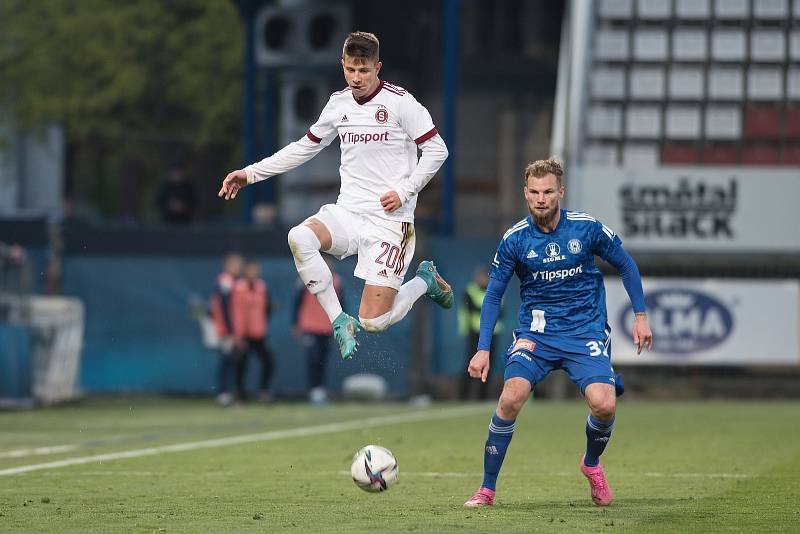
{"x": 361, "y": 45}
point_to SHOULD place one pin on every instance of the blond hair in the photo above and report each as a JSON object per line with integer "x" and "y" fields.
{"x": 543, "y": 167}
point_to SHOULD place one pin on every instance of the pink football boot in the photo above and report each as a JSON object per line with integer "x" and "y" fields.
{"x": 482, "y": 497}
{"x": 601, "y": 492}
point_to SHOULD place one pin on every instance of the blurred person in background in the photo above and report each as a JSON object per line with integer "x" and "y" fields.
{"x": 222, "y": 315}
{"x": 311, "y": 324}
{"x": 563, "y": 321}
{"x": 380, "y": 128}
{"x": 251, "y": 309}
{"x": 469, "y": 326}
{"x": 14, "y": 277}
{"x": 177, "y": 201}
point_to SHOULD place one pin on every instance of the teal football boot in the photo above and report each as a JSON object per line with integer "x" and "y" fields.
{"x": 345, "y": 329}
{"x": 439, "y": 291}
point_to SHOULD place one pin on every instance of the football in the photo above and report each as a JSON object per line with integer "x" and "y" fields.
{"x": 374, "y": 468}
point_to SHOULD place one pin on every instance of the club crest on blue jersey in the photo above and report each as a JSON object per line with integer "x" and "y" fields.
{"x": 574, "y": 246}
{"x": 553, "y": 253}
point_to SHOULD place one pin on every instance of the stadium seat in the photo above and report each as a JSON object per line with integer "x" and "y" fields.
{"x": 640, "y": 155}
{"x": 728, "y": 44}
{"x": 791, "y": 116}
{"x": 647, "y": 83}
{"x": 762, "y": 122}
{"x": 686, "y": 83}
{"x": 605, "y": 121}
{"x": 760, "y": 155}
{"x": 793, "y": 83}
{"x": 611, "y": 45}
{"x": 679, "y": 154}
{"x": 689, "y": 44}
{"x": 693, "y": 9}
{"x": 770, "y": 9}
{"x": 720, "y": 154}
{"x": 725, "y": 83}
{"x": 643, "y": 122}
{"x": 767, "y": 44}
{"x": 731, "y": 9}
{"x": 794, "y": 41}
{"x": 616, "y": 9}
{"x": 723, "y": 122}
{"x": 765, "y": 83}
{"x": 653, "y": 10}
{"x": 650, "y": 44}
{"x": 601, "y": 154}
{"x": 608, "y": 82}
{"x": 791, "y": 155}
{"x": 683, "y": 122}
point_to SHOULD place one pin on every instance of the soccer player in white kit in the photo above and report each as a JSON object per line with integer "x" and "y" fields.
{"x": 380, "y": 127}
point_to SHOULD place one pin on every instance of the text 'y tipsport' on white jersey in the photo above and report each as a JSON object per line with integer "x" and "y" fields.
{"x": 378, "y": 136}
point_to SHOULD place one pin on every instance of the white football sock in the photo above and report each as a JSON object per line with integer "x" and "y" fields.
{"x": 405, "y": 298}
{"x": 313, "y": 270}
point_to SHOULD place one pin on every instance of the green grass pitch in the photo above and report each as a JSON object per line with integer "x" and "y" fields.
{"x": 674, "y": 467}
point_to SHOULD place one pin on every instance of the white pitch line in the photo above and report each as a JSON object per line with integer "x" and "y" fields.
{"x": 431, "y": 474}
{"x": 698, "y": 475}
{"x": 457, "y": 474}
{"x": 36, "y": 451}
{"x": 253, "y": 438}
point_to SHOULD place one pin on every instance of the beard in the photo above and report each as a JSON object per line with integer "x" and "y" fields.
{"x": 544, "y": 219}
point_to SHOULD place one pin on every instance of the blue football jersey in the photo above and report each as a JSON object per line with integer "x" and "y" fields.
{"x": 561, "y": 288}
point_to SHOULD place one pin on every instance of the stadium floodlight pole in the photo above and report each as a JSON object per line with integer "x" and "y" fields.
{"x": 449, "y": 108}
{"x": 247, "y": 10}
{"x": 267, "y": 123}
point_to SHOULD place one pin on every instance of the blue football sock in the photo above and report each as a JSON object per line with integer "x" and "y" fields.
{"x": 597, "y": 435}
{"x": 500, "y": 433}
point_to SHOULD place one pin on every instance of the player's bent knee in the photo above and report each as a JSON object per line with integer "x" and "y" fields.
{"x": 511, "y": 403}
{"x": 603, "y": 408}
{"x": 302, "y": 239}
{"x": 377, "y": 324}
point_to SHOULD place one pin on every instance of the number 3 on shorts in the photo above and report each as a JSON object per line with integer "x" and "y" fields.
{"x": 596, "y": 348}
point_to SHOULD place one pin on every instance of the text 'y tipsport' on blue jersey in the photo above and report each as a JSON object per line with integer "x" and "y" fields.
{"x": 561, "y": 288}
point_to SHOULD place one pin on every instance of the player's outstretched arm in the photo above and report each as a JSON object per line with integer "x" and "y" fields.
{"x": 434, "y": 152}
{"x": 232, "y": 183}
{"x": 642, "y": 335}
{"x": 479, "y": 365}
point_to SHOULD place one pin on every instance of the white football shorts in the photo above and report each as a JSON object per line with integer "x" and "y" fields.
{"x": 385, "y": 248}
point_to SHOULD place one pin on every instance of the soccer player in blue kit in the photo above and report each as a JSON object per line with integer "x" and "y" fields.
{"x": 562, "y": 321}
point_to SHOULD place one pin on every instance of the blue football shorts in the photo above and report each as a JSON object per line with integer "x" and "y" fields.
{"x": 586, "y": 360}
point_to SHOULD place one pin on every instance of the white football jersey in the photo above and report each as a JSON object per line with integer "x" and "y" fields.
{"x": 378, "y": 136}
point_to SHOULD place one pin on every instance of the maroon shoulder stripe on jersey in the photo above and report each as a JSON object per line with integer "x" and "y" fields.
{"x": 394, "y": 88}
{"x": 313, "y": 137}
{"x": 342, "y": 91}
{"x": 424, "y": 137}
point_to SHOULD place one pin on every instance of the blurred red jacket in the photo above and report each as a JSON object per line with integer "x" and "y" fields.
{"x": 250, "y": 308}
{"x": 309, "y": 316}
{"x": 221, "y": 305}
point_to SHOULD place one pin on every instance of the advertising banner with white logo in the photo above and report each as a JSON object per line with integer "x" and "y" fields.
{"x": 691, "y": 209}
{"x": 709, "y": 322}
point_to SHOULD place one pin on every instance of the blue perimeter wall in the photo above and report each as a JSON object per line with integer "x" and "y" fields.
{"x": 140, "y": 335}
